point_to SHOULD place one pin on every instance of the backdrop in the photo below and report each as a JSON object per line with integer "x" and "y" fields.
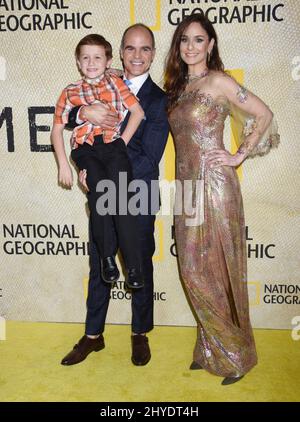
{"x": 44, "y": 249}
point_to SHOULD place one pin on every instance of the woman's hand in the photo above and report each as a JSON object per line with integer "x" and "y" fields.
{"x": 221, "y": 157}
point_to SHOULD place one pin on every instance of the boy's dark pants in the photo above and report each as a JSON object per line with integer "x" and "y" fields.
{"x": 104, "y": 162}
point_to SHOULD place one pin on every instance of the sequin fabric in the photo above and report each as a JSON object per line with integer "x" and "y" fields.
{"x": 212, "y": 255}
{"x": 242, "y": 94}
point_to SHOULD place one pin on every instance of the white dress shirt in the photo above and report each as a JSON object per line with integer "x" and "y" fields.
{"x": 137, "y": 82}
{"x": 135, "y": 85}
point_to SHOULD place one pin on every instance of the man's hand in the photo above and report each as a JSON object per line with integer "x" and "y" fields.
{"x": 100, "y": 115}
{"x": 82, "y": 179}
{"x": 117, "y": 72}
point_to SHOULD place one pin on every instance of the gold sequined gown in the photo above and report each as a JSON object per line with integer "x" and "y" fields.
{"x": 212, "y": 255}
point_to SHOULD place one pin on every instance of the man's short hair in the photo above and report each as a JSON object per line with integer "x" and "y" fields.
{"x": 137, "y": 25}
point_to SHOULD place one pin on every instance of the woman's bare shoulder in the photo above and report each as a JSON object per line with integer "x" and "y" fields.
{"x": 218, "y": 77}
{"x": 222, "y": 82}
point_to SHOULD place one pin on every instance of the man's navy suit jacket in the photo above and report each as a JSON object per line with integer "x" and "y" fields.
{"x": 147, "y": 145}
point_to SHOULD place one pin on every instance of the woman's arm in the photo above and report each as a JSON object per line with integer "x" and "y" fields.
{"x": 250, "y": 104}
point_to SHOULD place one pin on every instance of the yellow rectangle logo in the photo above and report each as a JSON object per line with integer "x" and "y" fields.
{"x": 157, "y": 4}
{"x": 254, "y": 293}
{"x": 2, "y": 328}
{"x": 159, "y": 232}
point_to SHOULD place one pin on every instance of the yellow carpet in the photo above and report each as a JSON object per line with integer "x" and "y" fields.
{"x": 30, "y": 368}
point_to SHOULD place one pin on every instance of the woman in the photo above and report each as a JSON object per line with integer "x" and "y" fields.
{"x": 212, "y": 246}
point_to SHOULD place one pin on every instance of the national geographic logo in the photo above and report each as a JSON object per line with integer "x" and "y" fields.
{"x": 281, "y": 294}
{"x": 273, "y": 293}
{"x": 227, "y": 11}
{"x": 42, "y": 239}
{"x": 218, "y": 11}
{"x": 41, "y": 15}
{"x": 119, "y": 292}
{"x": 259, "y": 250}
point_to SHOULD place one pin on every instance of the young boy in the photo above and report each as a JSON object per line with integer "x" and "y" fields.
{"x": 101, "y": 152}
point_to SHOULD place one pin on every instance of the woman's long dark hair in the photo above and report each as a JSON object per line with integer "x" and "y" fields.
{"x": 175, "y": 69}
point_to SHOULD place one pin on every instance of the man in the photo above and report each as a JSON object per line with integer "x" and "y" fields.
{"x": 145, "y": 151}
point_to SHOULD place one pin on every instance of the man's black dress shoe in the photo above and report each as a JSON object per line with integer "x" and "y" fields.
{"x": 134, "y": 279}
{"x": 195, "y": 365}
{"x": 140, "y": 350}
{"x": 109, "y": 270}
{"x": 81, "y": 350}
{"x": 231, "y": 380}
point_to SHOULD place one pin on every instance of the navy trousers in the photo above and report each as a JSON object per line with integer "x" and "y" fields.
{"x": 142, "y": 299}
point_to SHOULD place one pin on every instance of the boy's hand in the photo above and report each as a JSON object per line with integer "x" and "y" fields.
{"x": 65, "y": 176}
